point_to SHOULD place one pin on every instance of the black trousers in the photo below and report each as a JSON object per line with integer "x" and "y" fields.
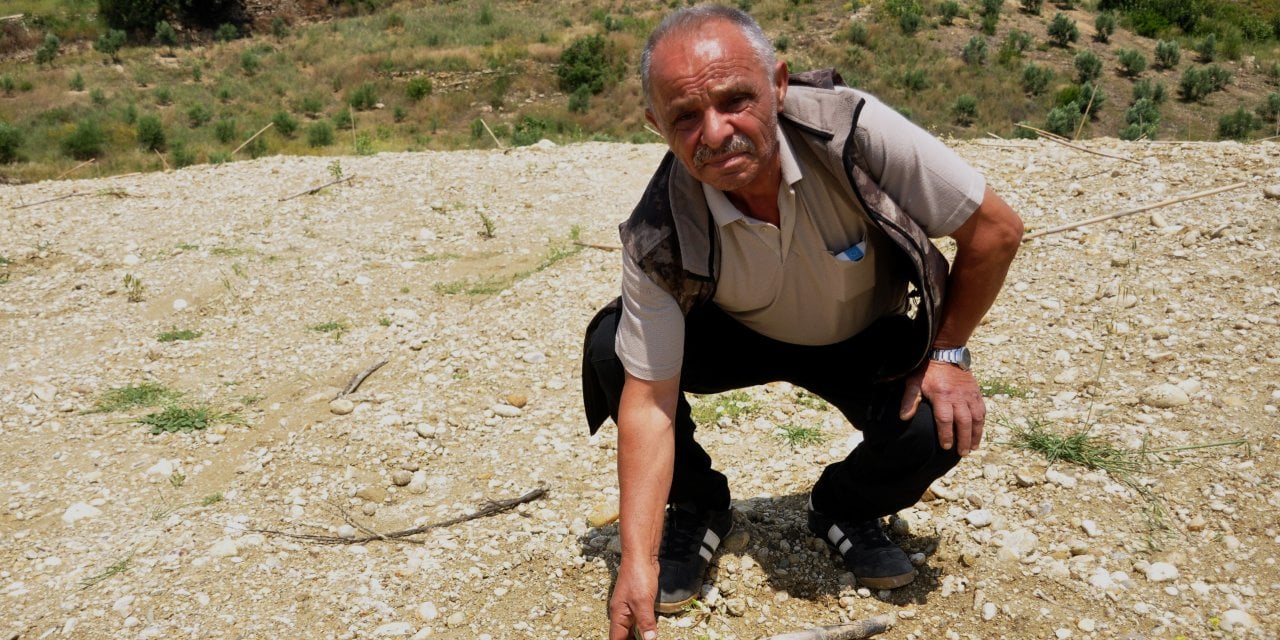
{"x": 888, "y": 471}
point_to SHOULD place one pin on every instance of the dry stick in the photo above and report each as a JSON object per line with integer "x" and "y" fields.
{"x": 1062, "y": 141}
{"x": 1042, "y": 133}
{"x": 1109, "y": 216}
{"x": 162, "y": 160}
{"x": 1085, "y": 116}
{"x": 327, "y": 184}
{"x": 69, "y": 195}
{"x": 492, "y": 508}
{"x": 358, "y": 378}
{"x": 851, "y": 631}
{"x": 495, "y": 138}
{"x": 242, "y": 144}
{"x": 72, "y": 169}
{"x": 606, "y": 247}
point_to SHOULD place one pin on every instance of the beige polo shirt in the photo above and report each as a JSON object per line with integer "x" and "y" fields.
{"x": 786, "y": 282}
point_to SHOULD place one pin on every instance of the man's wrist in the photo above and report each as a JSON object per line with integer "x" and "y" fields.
{"x": 958, "y": 356}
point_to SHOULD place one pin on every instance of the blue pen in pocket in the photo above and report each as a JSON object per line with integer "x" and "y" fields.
{"x": 854, "y": 253}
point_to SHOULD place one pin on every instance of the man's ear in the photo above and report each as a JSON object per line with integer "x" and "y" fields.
{"x": 780, "y": 74}
{"x": 651, "y": 119}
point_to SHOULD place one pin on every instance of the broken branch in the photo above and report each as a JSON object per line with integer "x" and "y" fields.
{"x": 242, "y": 144}
{"x": 1121, "y": 214}
{"x": 851, "y": 631}
{"x": 317, "y": 189}
{"x": 495, "y": 138}
{"x": 73, "y": 169}
{"x": 69, "y": 195}
{"x": 358, "y": 379}
{"x": 592, "y": 245}
{"x": 1062, "y": 141}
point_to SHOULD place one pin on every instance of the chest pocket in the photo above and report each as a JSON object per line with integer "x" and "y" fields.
{"x": 852, "y": 278}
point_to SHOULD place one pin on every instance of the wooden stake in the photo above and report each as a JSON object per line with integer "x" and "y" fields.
{"x": 72, "y": 169}
{"x": 251, "y": 138}
{"x": 69, "y": 195}
{"x": 495, "y": 138}
{"x": 162, "y": 160}
{"x": 327, "y": 184}
{"x": 1063, "y": 141}
{"x": 1110, "y": 216}
{"x": 1084, "y": 117}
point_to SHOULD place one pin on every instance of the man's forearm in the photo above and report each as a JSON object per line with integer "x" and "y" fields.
{"x": 985, "y": 247}
{"x": 646, "y": 454}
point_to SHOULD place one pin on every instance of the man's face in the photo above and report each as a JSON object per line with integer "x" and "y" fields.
{"x": 716, "y": 104}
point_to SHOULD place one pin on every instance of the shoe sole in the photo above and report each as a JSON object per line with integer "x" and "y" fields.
{"x": 882, "y": 582}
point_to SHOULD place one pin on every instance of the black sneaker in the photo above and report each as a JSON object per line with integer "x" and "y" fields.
{"x": 875, "y": 561}
{"x": 689, "y": 539}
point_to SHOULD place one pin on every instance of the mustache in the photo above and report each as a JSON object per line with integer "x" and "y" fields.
{"x": 739, "y": 143}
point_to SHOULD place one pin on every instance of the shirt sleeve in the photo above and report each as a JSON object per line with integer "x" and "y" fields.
{"x": 650, "y": 338}
{"x": 932, "y": 184}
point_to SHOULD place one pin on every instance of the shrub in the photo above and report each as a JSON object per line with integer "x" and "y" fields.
{"x": 48, "y": 50}
{"x": 915, "y": 80}
{"x": 224, "y": 130}
{"x": 97, "y": 97}
{"x": 250, "y": 63}
{"x": 1063, "y": 120}
{"x": 1032, "y": 6}
{"x": 1104, "y": 25}
{"x": 163, "y": 96}
{"x": 110, "y": 43}
{"x": 529, "y": 130}
{"x": 975, "y": 51}
{"x": 1269, "y": 109}
{"x": 226, "y": 32}
{"x": 285, "y": 124}
{"x": 363, "y": 97}
{"x": 948, "y": 11}
{"x": 907, "y": 13}
{"x": 418, "y": 88}
{"x": 1088, "y": 67}
{"x": 991, "y": 7}
{"x": 181, "y": 155}
{"x": 857, "y": 33}
{"x": 151, "y": 133}
{"x": 1237, "y": 125}
{"x": 1168, "y": 54}
{"x": 1153, "y": 91}
{"x": 1015, "y": 43}
{"x": 1063, "y": 30}
{"x": 343, "y": 119}
{"x": 85, "y": 141}
{"x": 10, "y": 141}
{"x": 398, "y": 114}
{"x": 199, "y": 114}
{"x": 1036, "y": 79}
{"x": 1132, "y": 62}
{"x": 165, "y": 34}
{"x": 1092, "y": 99}
{"x": 310, "y": 106}
{"x": 965, "y": 110}
{"x": 580, "y": 100}
{"x": 1142, "y": 118}
{"x": 589, "y": 61}
{"x": 988, "y": 23}
{"x": 1219, "y": 77}
{"x": 1195, "y": 84}
{"x": 7, "y": 84}
{"x": 279, "y": 28}
{"x": 319, "y": 134}
{"x": 130, "y": 114}
{"x": 1208, "y": 48}
{"x": 76, "y": 83}
{"x": 134, "y": 15}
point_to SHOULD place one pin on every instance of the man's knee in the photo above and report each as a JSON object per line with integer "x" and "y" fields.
{"x": 600, "y": 334}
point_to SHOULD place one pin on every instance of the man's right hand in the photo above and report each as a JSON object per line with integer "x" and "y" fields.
{"x": 632, "y": 603}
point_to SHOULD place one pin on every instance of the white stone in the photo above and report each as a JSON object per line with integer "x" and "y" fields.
{"x": 124, "y": 605}
{"x": 223, "y": 548}
{"x": 363, "y": 281}
{"x": 989, "y": 610}
{"x": 1164, "y": 396}
{"x": 341, "y": 406}
{"x": 1272, "y": 191}
{"x": 1160, "y": 572}
{"x": 44, "y": 392}
{"x": 1239, "y": 622}
{"x": 978, "y": 518}
{"x": 1090, "y": 528}
{"x": 427, "y": 611}
{"x": 79, "y": 511}
{"x": 1018, "y": 544}
{"x": 1061, "y": 479}
{"x": 131, "y": 260}
{"x": 1087, "y": 625}
{"x": 346, "y": 532}
{"x": 505, "y": 410}
{"x": 179, "y": 304}
{"x": 214, "y": 438}
{"x": 162, "y": 469}
{"x": 534, "y": 357}
{"x": 1101, "y": 578}
{"x": 393, "y": 629}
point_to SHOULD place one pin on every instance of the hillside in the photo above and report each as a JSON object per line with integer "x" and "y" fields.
{"x": 219, "y": 297}
{"x": 375, "y": 76}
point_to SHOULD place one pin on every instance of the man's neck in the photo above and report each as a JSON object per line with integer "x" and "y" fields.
{"x": 759, "y": 199}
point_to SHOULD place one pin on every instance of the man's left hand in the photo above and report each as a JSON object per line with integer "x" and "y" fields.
{"x": 958, "y": 408}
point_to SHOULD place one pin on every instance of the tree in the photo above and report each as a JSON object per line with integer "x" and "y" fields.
{"x": 975, "y": 51}
{"x": 1168, "y": 54}
{"x": 1035, "y": 79}
{"x": 1063, "y": 30}
{"x": 1088, "y": 66}
{"x": 110, "y": 43}
{"x": 1142, "y": 118}
{"x": 1032, "y": 6}
{"x": 1237, "y": 125}
{"x": 166, "y": 35}
{"x": 589, "y": 61}
{"x": 10, "y": 140}
{"x": 1132, "y": 62}
{"x": 49, "y": 50}
{"x": 151, "y": 133}
{"x": 1104, "y": 26}
{"x": 138, "y": 16}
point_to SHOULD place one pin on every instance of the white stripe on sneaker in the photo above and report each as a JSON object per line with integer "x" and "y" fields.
{"x": 838, "y": 539}
{"x": 710, "y": 539}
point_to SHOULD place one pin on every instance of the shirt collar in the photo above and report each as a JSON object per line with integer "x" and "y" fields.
{"x": 723, "y": 211}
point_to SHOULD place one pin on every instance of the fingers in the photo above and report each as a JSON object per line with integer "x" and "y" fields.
{"x": 944, "y": 420}
{"x": 911, "y": 397}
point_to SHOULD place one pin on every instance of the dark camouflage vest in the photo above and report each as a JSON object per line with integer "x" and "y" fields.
{"x": 672, "y": 237}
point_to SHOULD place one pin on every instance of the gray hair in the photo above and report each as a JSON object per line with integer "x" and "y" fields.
{"x": 688, "y": 19}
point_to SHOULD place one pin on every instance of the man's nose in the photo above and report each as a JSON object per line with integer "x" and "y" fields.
{"x": 716, "y": 129}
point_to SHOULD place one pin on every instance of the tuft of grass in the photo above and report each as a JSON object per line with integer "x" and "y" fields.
{"x": 134, "y": 290}
{"x": 1000, "y": 387}
{"x": 496, "y": 284}
{"x": 231, "y": 251}
{"x": 120, "y": 566}
{"x": 797, "y": 436}
{"x": 175, "y": 418}
{"x": 211, "y": 499}
{"x": 177, "y": 479}
{"x": 336, "y": 327}
{"x": 809, "y": 401}
{"x": 147, "y": 394}
{"x": 175, "y": 335}
{"x": 732, "y": 405}
{"x": 1079, "y": 448}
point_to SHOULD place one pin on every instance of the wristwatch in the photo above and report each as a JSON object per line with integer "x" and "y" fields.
{"x": 959, "y": 356}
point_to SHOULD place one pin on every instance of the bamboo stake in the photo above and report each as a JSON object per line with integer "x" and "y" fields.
{"x": 1049, "y": 136}
{"x": 162, "y": 160}
{"x": 1042, "y": 133}
{"x": 1110, "y": 216}
{"x": 495, "y": 138}
{"x": 251, "y": 138}
{"x": 1085, "y": 116}
{"x": 316, "y": 189}
{"x": 72, "y": 169}
{"x": 69, "y": 195}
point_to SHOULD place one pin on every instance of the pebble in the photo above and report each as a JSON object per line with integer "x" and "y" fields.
{"x": 346, "y": 532}
{"x": 79, "y": 511}
{"x": 418, "y": 485}
{"x": 978, "y": 518}
{"x": 427, "y": 611}
{"x": 1090, "y": 528}
{"x": 179, "y": 304}
{"x": 505, "y": 410}
{"x": 1164, "y": 396}
{"x": 456, "y": 619}
{"x": 989, "y": 611}
{"x": 1272, "y": 191}
{"x": 393, "y": 629}
{"x": 1087, "y": 625}
{"x": 517, "y": 400}
{"x": 736, "y": 542}
{"x": 44, "y": 392}
{"x": 1064, "y": 480}
{"x": 1239, "y": 622}
{"x": 214, "y": 438}
{"x": 162, "y": 469}
{"x": 401, "y": 477}
{"x": 534, "y": 357}
{"x": 1160, "y": 572}
{"x": 223, "y": 548}
{"x": 372, "y": 494}
{"x": 341, "y": 406}
{"x": 1018, "y": 544}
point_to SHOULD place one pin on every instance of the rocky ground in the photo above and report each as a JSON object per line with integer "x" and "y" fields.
{"x": 1156, "y": 333}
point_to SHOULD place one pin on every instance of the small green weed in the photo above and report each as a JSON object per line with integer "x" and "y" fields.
{"x": 147, "y": 394}
{"x": 800, "y": 435}
{"x": 336, "y": 327}
{"x": 732, "y": 405}
{"x": 489, "y": 230}
{"x": 120, "y": 566}
{"x": 175, "y": 418}
{"x": 211, "y": 499}
{"x": 384, "y": 321}
{"x": 231, "y": 251}
{"x": 175, "y": 335}
{"x": 1079, "y": 448}
{"x": 809, "y": 401}
{"x": 177, "y": 479}
{"x": 1000, "y": 387}
{"x": 134, "y": 290}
